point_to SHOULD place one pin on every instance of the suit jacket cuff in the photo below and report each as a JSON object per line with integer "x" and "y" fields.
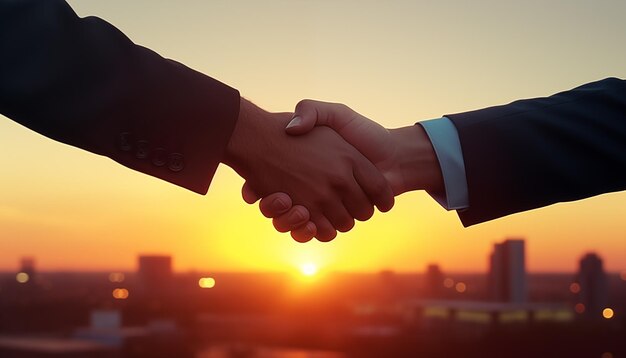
{"x": 184, "y": 139}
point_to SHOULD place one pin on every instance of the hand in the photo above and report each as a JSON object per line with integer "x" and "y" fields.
{"x": 405, "y": 155}
{"x": 331, "y": 181}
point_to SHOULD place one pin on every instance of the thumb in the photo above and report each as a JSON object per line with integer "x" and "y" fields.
{"x": 310, "y": 113}
{"x": 301, "y": 123}
{"x": 248, "y": 194}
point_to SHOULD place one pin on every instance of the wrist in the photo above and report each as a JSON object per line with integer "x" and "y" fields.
{"x": 239, "y": 143}
{"x": 253, "y": 138}
{"x": 416, "y": 166}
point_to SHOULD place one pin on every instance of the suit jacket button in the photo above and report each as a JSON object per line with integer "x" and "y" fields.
{"x": 159, "y": 157}
{"x": 124, "y": 141}
{"x": 142, "y": 149}
{"x": 176, "y": 162}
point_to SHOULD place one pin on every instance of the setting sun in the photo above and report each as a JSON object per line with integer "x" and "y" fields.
{"x": 308, "y": 269}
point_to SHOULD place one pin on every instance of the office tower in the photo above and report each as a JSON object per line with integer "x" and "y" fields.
{"x": 155, "y": 272}
{"x": 28, "y": 266}
{"x": 592, "y": 279}
{"x": 507, "y": 272}
{"x": 433, "y": 281}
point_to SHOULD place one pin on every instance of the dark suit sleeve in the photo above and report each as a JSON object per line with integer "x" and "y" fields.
{"x": 536, "y": 152}
{"x": 82, "y": 82}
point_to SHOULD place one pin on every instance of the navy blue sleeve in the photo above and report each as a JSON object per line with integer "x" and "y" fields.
{"x": 82, "y": 82}
{"x": 536, "y": 152}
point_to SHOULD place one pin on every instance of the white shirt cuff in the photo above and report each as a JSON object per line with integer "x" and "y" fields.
{"x": 445, "y": 140}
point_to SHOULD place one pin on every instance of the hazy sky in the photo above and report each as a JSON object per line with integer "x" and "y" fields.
{"x": 396, "y": 61}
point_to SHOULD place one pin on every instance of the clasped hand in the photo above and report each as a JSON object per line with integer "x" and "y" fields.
{"x": 323, "y": 166}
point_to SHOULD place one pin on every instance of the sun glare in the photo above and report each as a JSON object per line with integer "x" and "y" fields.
{"x": 308, "y": 269}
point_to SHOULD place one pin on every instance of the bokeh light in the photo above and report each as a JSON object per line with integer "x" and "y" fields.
{"x": 574, "y": 287}
{"x": 448, "y": 283}
{"x": 607, "y": 313}
{"x": 460, "y": 287}
{"x": 622, "y": 275}
{"x": 120, "y": 293}
{"x": 22, "y": 277}
{"x": 579, "y": 308}
{"x": 206, "y": 282}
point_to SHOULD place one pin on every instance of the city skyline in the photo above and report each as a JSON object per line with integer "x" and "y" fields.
{"x": 396, "y": 63}
{"x": 29, "y": 263}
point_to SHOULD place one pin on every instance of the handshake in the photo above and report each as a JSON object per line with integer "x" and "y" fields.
{"x": 322, "y": 167}
{"x": 319, "y": 168}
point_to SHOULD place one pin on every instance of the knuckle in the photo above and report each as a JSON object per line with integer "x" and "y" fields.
{"x": 298, "y": 215}
{"x": 303, "y": 104}
{"x": 344, "y": 108}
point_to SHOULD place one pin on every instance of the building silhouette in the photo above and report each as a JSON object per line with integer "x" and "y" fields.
{"x": 433, "y": 282}
{"x": 28, "y": 266}
{"x": 507, "y": 272}
{"x": 155, "y": 274}
{"x": 593, "y": 283}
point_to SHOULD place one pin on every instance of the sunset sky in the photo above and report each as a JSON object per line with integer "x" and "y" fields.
{"x": 396, "y": 62}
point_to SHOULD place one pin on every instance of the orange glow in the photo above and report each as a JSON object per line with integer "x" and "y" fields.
{"x": 222, "y": 233}
{"x": 607, "y": 313}
{"x": 308, "y": 269}
{"x": 448, "y": 283}
{"x": 120, "y": 293}
{"x": 574, "y": 287}
{"x": 116, "y": 277}
{"x": 22, "y": 277}
{"x": 579, "y": 308}
{"x": 461, "y": 287}
{"x": 206, "y": 282}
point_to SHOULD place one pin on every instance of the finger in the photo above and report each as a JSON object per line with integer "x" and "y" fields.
{"x": 310, "y": 113}
{"x": 357, "y": 203}
{"x": 275, "y": 205}
{"x": 340, "y": 218}
{"x": 249, "y": 195}
{"x": 374, "y": 185}
{"x": 296, "y": 217}
{"x": 304, "y": 233}
{"x": 325, "y": 230}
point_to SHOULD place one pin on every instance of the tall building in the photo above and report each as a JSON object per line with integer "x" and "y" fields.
{"x": 155, "y": 272}
{"x": 28, "y": 266}
{"x": 433, "y": 282}
{"x": 507, "y": 272}
{"x": 592, "y": 279}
